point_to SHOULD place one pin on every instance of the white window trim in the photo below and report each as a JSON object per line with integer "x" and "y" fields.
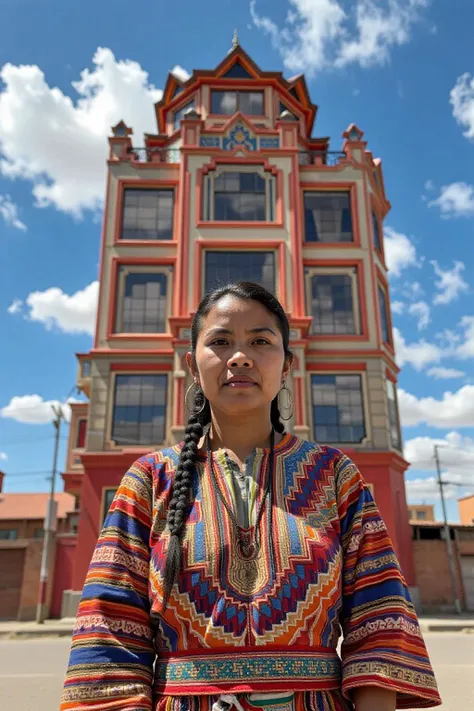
{"x": 352, "y": 272}
{"x": 365, "y": 405}
{"x": 123, "y": 271}
{"x": 110, "y": 443}
{"x": 208, "y": 212}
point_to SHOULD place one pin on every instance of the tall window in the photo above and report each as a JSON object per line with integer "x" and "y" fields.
{"x": 180, "y": 113}
{"x": 147, "y": 214}
{"x": 231, "y": 195}
{"x": 393, "y": 415}
{"x": 229, "y": 102}
{"x": 338, "y": 412}
{"x": 332, "y": 298}
{"x": 384, "y": 323}
{"x": 376, "y": 229}
{"x": 142, "y": 301}
{"x": 81, "y": 434}
{"x": 224, "y": 267}
{"x": 139, "y": 411}
{"x": 327, "y": 217}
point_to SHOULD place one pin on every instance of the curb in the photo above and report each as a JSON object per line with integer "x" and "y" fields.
{"x": 446, "y": 627}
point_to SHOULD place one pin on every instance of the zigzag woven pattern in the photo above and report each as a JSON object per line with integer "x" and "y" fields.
{"x": 241, "y": 626}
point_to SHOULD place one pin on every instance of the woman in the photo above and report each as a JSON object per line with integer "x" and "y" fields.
{"x": 228, "y": 564}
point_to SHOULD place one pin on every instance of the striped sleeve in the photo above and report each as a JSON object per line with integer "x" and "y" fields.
{"x": 112, "y": 654}
{"x": 382, "y": 641}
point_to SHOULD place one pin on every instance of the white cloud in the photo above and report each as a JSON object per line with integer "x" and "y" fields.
{"x": 439, "y": 372}
{"x": 71, "y": 314}
{"x": 421, "y": 310}
{"x": 320, "y": 33}
{"x": 450, "y": 284}
{"x": 429, "y": 185}
{"x": 456, "y": 456}
{"x": 465, "y": 348}
{"x": 462, "y": 101}
{"x": 400, "y": 253}
{"x": 9, "y": 212}
{"x": 65, "y": 155}
{"x": 413, "y": 290}
{"x": 417, "y": 354}
{"x": 33, "y": 410}
{"x": 398, "y": 307}
{"x": 453, "y": 410}
{"x": 455, "y": 200}
{"x": 15, "y": 307}
{"x": 180, "y": 73}
{"x": 3, "y": 456}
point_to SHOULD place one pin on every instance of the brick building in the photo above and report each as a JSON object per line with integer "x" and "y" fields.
{"x": 466, "y": 509}
{"x": 235, "y": 185}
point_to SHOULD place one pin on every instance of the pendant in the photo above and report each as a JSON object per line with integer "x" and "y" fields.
{"x": 248, "y": 548}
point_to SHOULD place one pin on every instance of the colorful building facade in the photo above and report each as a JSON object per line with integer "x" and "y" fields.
{"x": 234, "y": 186}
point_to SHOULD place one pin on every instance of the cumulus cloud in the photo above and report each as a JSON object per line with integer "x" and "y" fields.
{"x": 9, "y": 212}
{"x": 400, "y": 252}
{"x": 455, "y": 200}
{"x": 322, "y": 33}
{"x": 34, "y": 410}
{"x": 462, "y": 101}
{"x": 180, "y": 73}
{"x": 70, "y": 133}
{"x": 465, "y": 344}
{"x": 450, "y": 283}
{"x": 398, "y": 307}
{"x": 452, "y": 410}
{"x": 439, "y": 372}
{"x": 15, "y": 307}
{"x": 3, "y": 456}
{"x": 75, "y": 313}
{"x": 421, "y": 311}
{"x": 418, "y": 354}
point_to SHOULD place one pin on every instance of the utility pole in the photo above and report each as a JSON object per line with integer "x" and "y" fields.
{"x": 49, "y": 524}
{"x": 447, "y": 533}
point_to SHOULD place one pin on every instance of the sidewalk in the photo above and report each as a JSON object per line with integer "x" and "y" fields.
{"x": 64, "y": 627}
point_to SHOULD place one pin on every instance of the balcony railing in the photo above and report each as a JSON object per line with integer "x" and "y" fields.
{"x": 155, "y": 155}
{"x": 325, "y": 158}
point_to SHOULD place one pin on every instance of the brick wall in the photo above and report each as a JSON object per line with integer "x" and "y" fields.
{"x": 433, "y": 576}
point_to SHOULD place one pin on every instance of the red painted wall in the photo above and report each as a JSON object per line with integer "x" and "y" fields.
{"x": 63, "y": 568}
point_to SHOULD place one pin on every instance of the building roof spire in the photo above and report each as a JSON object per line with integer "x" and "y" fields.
{"x": 235, "y": 39}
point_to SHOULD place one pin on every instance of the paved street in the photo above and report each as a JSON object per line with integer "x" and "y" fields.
{"x": 32, "y": 671}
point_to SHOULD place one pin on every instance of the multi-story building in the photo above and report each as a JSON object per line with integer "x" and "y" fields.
{"x": 234, "y": 186}
{"x": 421, "y": 512}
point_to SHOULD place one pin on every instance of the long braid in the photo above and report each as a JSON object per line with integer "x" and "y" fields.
{"x": 178, "y": 508}
{"x": 277, "y": 424}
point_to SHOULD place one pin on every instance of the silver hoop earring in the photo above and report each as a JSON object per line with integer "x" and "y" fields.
{"x": 193, "y": 385}
{"x": 286, "y": 409}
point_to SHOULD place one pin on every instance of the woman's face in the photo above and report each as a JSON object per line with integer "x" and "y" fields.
{"x": 240, "y": 360}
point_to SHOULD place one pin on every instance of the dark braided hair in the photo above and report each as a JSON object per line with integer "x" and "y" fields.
{"x": 200, "y": 416}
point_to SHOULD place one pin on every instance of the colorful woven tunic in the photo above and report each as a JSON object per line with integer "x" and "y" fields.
{"x": 249, "y": 628}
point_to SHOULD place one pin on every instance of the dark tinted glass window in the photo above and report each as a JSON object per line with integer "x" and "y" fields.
{"x": 332, "y": 304}
{"x": 147, "y": 214}
{"x": 338, "y": 412}
{"x": 239, "y": 196}
{"x": 327, "y": 217}
{"x": 139, "y": 413}
{"x": 224, "y": 267}
{"x": 144, "y": 303}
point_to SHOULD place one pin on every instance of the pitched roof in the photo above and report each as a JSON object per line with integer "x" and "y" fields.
{"x": 33, "y": 506}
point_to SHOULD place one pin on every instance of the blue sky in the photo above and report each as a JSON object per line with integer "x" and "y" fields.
{"x": 402, "y": 71}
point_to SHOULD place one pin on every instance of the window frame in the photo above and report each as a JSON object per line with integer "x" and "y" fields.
{"x": 357, "y": 369}
{"x": 353, "y": 274}
{"x": 327, "y": 187}
{"x": 243, "y": 251}
{"x": 104, "y": 507}
{"x": 391, "y": 382}
{"x": 276, "y": 246}
{"x": 207, "y": 196}
{"x": 137, "y": 369}
{"x": 124, "y": 184}
{"x": 383, "y": 298}
{"x": 189, "y": 103}
{"x": 124, "y": 270}
{"x": 355, "y": 266}
{"x": 237, "y": 90}
{"x": 150, "y": 264}
{"x": 377, "y": 222}
{"x": 10, "y": 537}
